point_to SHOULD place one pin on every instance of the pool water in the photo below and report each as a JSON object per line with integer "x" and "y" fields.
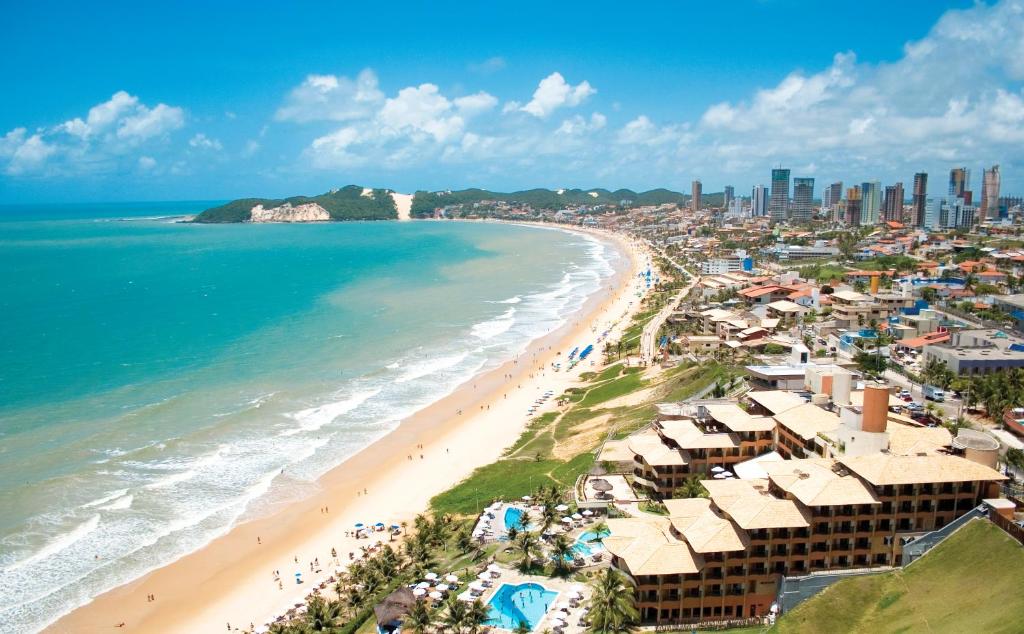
{"x": 523, "y": 603}
{"x": 589, "y": 543}
{"x": 513, "y": 518}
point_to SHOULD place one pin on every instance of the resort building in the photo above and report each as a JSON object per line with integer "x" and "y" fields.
{"x": 971, "y": 352}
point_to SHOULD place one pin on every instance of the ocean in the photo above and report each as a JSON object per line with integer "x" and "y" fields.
{"x": 156, "y": 377}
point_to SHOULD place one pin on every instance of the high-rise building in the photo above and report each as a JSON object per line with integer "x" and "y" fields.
{"x": 695, "y": 196}
{"x": 919, "y": 199}
{"x": 959, "y": 181}
{"x": 759, "y": 201}
{"x": 990, "y": 193}
{"x": 778, "y": 205}
{"x": 948, "y": 212}
{"x": 892, "y": 205}
{"x": 728, "y": 196}
{"x": 871, "y": 202}
{"x": 853, "y": 206}
{"x": 831, "y": 196}
{"x": 803, "y": 197}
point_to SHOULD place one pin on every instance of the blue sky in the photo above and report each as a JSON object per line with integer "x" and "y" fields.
{"x": 187, "y": 101}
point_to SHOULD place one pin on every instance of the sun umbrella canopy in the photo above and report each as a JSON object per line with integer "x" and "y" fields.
{"x": 494, "y": 567}
{"x": 527, "y": 498}
{"x": 435, "y": 595}
{"x": 379, "y": 524}
{"x": 588, "y": 513}
{"x": 451, "y": 578}
{"x": 422, "y": 585}
{"x": 567, "y": 520}
{"x": 483, "y": 575}
{"x": 442, "y": 587}
{"x": 561, "y": 507}
{"x": 717, "y": 469}
{"x": 430, "y": 576}
{"x": 719, "y": 476}
{"x": 360, "y": 525}
{"x": 577, "y": 516}
{"x": 419, "y": 592}
{"x": 600, "y": 484}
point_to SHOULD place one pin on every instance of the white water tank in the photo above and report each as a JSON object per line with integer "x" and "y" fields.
{"x": 820, "y": 400}
{"x": 842, "y": 383}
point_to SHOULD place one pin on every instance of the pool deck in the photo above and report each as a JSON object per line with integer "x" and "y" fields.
{"x": 562, "y": 586}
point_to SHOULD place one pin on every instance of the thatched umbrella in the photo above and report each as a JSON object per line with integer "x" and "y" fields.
{"x": 394, "y": 606}
{"x": 602, "y": 486}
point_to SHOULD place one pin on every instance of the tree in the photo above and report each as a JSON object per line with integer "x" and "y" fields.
{"x": 561, "y": 552}
{"x": 522, "y": 627}
{"x": 476, "y": 616}
{"x": 419, "y": 619}
{"x": 612, "y": 604}
{"x": 936, "y": 372}
{"x": 1015, "y": 458}
{"x": 847, "y": 244}
{"x": 870, "y": 363}
{"x": 454, "y": 614}
{"x": 691, "y": 488}
{"x": 322, "y": 615}
{"x": 526, "y": 544}
{"x": 601, "y": 530}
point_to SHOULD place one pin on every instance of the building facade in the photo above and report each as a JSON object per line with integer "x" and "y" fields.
{"x": 892, "y": 204}
{"x": 871, "y": 202}
{"x": 853, "y": 207}
{"x": 919, "y": 199}
{"x": 696, "y": 191}
{"x": 990, "y": 184}
{"x": 803, "y": 199}
{"x": 759, "y": 201}
{"x": 778, "y": 204}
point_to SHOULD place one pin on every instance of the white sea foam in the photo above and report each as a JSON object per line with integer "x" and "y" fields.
{"x": 193, "y": 469}
{"x": 106, "y": 498}
{"x": 314, "y": 418}
{"x": 494, "y": 327}
{"x": 121, "y": 503}
{"x": 59, "y": 543}
{"x": 431, "y": 366}
{"x": 511, "y": 300}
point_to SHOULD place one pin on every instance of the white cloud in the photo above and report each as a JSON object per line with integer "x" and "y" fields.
{"x": 421, "y": 109}
{"x": 203, "y": 142}
{"x": 252, "y": 146}
{"x": 554, "y": 92}
{"x": 332, "y": 98}
{"x": 488, "y": 66}
{"x": 94, "y": 143}
{"x": 472, "y": 105}
{"x": 146, "y": 163}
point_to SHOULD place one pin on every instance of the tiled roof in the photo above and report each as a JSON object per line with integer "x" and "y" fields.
{"x": 748, "y": 503}
{"x": 776, "y": 401}
{"x": 703, "y": 528}
{"x": 882, "y": 469}
{"x": 733, "y": 417}
{"x": 808, "y": 420}
{"x": 814, "y": 483}
{"x": 645, "y": 544}
{"x": 687, "y": 435}
{"x": 654, "y": 450}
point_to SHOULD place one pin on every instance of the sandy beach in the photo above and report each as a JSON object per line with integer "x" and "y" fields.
{"x": 230, "y": 581}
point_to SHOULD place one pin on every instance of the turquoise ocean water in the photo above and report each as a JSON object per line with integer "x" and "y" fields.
{"x": 156, "y": 377}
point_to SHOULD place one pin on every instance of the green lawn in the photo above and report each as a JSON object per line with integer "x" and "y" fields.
{"x": 612, "y": 389}
{"x": 969, "y": 583}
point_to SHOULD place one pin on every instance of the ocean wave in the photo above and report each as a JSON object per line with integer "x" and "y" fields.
{"x": 494, "y": 327}
{"x": 59, "y": 543}
{"x": 314, "y": 418}
{"x": 193, "y": 469}
{"x": 121, "y": 503}
{"x": 431, "y": 366}
{"x": 511, "y": 300}
{"x": 106, "y": 498}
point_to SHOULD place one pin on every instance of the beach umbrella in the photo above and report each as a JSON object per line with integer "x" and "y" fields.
{"x": 563, "y": 605}
{"x": 435, "y": 595}
{"x": 443, "y": 587}
{"x": 577, "y": 516}
{"x": 423, "y": 585}
{"x": 359, "y": 525}
{"x": 717, "y": 469}
{"x": 395, "y": 527}
{"x": 527, "y": 498}
{"x": 476, "y": 586}
{"x": 561, "y": 508}
{"x": 567, "y": 520}
{"x": 719, "y": 476}
{"x": 419, "y": 592}
{"x": 483, "y": 575}
{"x": 430, "y": 576}
{"x": 557, "y": 623}
{"x": 494, "y": 567}
{"x": 575, "y": 595}
{"x": 451, "y": 578}
{"x": 467, "y": 597}
{"x": 379, "y": 524}
{"x": 588, "y": 512}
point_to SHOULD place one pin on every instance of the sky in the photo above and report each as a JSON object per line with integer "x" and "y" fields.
{"x": 217, "y": 100}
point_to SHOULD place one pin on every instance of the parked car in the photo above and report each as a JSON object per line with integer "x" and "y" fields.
{"x": 933, "y": 393}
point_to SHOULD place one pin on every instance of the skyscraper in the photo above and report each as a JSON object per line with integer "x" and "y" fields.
{"x": 695, "y": 195}
{"x": 778, "y": 205}
{"x": 990, "y": 193}
{"x": 759, "y": 201}
{"x": 919, "y": 199}
{"x": 871, "y": 202}
{"x": 730, "y": 194}
{"x": 959, "y": 181}
{"x": 831, "y": 196}
{"x": 853, "y": 206}
{"x": 892, "y": 205}
{"x": 803, "y": 197}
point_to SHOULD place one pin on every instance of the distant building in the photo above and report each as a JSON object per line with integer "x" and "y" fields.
{"x": 853, "y": 206}
{"x": 803, "y": 198}
{"x": 990, "y": 193}
{"x": 871, "y": 202}
{"x": 728, "y": 196}
{"x": 831, "y": 196}
{"x": 959, "y": 181}
{"x": 892, "y": 204}
{"x": 778, "y": 205}
{"x": 695, "y": 196}
{"x": 948, "y": 212}
{"x": 920, "y": 198}
{"x": 759, "y": 201}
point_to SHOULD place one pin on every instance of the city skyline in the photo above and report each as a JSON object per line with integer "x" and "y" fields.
{"x": 139, "y": 115}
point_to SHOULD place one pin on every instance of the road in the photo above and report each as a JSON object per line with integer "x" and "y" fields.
{"x": 649, "y": 336}
{"x": 949, "y": 409}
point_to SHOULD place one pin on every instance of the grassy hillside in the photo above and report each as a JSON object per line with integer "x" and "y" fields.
{"x": 347, "y": 203}
{"x": 425, "y": 202}
{"x": 969, "y": 583}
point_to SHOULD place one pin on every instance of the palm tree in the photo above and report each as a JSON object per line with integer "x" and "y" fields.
{"x": 526, "y": 544}
{"x": 464, "y": 541}
{"x": 522, "y": 627}
{"x": 612, "y": 604}
{"x": 419, "y": 619}
{"x": 561, "y": 552}
{"x": 322, "y": 615}
{"x": 455, "y": 614}
{"x": 477, "y": 615}
{"x": 691, "y": 488}
{"x": 601, "y": 530}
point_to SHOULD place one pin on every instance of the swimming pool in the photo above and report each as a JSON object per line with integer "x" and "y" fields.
{"x": 514, "y": 518}
{"x": 522, "y": 603}
{"x": 589, "y": 543}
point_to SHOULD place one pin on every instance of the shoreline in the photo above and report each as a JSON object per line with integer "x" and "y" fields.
{"x": 229, "y": 579}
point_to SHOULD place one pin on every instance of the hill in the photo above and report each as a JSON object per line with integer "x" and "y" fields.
{"x": 348, "y": 203}
{"x": 968, "y": 583}
{"x": 424, "y": 202}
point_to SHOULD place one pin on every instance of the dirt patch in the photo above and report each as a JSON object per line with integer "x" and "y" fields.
{"x": 583, "y": 438}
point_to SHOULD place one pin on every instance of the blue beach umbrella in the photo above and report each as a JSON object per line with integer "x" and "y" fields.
{"x": 379, "y": 524}
{"x": 359, "y": 525}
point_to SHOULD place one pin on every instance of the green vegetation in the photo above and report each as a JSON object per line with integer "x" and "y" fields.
{"x": 968, "y": 583}
{"x": 822, "y": 272}
{"x": 347, "y": 203}
{"x": 424, "y": 202}
{"x": 901, "y": 263}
